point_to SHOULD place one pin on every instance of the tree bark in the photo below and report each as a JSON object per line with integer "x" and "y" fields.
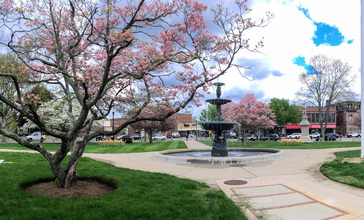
{"x": 67, "y": 177}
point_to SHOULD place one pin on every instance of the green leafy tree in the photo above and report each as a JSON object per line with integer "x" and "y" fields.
{"x": 284, "y": 112}
{"x": 43, "y": 93}
{"x": 208, "y": 114}
{"x": 9, "y": 64}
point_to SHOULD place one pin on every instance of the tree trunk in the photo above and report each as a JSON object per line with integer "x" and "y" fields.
{"x": 3, "y": 139}
{"x": 67, "y": 177}
{"x": 150, "y": 137}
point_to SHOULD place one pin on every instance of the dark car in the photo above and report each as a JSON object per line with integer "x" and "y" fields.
{"x": 263, "y": 138}
{"x": 23, "y": 133}
{"x": 329, "y": 137}
{"x": 125, "y": 138}
{"x": 336, "y": 135}
{"x": 135, "y": 137}
{"x": 273, "y": 137}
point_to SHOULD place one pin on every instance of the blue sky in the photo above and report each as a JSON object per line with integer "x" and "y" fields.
{"x": 299, "y": 30}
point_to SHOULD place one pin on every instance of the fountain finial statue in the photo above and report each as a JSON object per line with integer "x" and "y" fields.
{"x": 219, "y": 148}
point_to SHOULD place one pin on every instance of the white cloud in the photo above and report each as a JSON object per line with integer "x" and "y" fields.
{"x": 290, "y": 35}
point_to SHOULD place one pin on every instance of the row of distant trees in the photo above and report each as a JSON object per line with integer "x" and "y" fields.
{"x": 326, "y": 81}
{"x": 253, "y": 114}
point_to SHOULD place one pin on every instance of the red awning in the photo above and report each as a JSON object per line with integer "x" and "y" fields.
{"x": 318, "y": 126}
{"x": 293, "y": 127}
{"x": 314, "y": 127}
{"x": 311, "y": 126}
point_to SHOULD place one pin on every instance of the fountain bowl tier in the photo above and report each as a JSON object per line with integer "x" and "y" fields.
{"x": 218, "y": 101}
{"x": 218, "y": 125}
{"x": 203, "y": 156}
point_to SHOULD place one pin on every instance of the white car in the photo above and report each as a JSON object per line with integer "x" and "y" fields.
{"x": 176, "y": 135}
{"x": 35, "y": 136}
{"x": 354, "y": 135}
{"x": 252, "y": 137}
{"x": 315, "y": 135}
{"x": 294, "y": 136}
{"x": 159, "y": 137}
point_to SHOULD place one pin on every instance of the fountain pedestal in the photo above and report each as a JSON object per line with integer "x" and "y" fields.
{"x": 219, "y": 147}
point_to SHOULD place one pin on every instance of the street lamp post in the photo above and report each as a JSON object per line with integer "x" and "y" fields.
{"x": 362, "y": 75}
{"x": 196, "y": 130}
{"x": 113, "y": 124}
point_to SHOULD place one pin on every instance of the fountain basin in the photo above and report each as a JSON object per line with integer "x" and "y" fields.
{"x": 203, "y": 156}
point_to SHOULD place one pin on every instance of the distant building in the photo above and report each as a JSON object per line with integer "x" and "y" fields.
{"x": 313, "y": 117}
{"x": 345, "y": 114}
{"x": 184, "y": 125}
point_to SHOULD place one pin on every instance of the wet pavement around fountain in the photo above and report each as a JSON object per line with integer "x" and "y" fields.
{"x": 290, "y": 187}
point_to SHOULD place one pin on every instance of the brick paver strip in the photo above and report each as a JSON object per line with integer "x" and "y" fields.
{"x": 284, "y": 202}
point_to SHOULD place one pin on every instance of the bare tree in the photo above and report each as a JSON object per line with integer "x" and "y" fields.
{"x": 326, "y": 82}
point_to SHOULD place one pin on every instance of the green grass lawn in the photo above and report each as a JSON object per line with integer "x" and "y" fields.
{"x": 135, "y": 147}
{"x": 344, "y": 172}
{"x": 140, "y": 195}
{"x": 273, "y": 144}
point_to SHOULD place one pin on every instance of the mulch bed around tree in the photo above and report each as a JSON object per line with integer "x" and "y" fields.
{"x": 82, "y": 189}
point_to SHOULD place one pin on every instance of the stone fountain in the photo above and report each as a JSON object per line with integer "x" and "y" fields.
{"x": 219, "y": 153}
{"x": 219, "y": 126}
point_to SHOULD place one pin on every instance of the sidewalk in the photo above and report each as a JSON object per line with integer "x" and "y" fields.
{"x": 289, "y": 188}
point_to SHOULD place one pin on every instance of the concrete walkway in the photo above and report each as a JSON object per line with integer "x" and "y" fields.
{"x": 289, "y": 188}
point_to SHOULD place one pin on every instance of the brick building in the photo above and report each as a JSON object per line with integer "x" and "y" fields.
{"x": 313, "y": 116}
{"x": 345, "y": 114}
{"x": 184, "y": 125}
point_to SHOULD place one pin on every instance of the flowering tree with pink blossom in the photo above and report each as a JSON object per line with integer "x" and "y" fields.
{"x": 252, "y": 115}
{"x": 151, "y": 126}
{"x": 116, "y": 54}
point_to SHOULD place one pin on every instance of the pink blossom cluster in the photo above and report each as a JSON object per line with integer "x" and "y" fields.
{"x": 252, "y": 114}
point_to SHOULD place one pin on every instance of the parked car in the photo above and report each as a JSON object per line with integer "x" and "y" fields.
{"x": 35, "y": 136}
{"x": 159, "y": 137}
{"x": 135, "y": 137}
{"x": 294, "y": 136}
{"x": 169, "y": 134}
{"x": 176, "y": 135}
{"x": 232, "y": 135}
{"x": 23, "y": 133}
{"x": 252, "y": 137}
{"x": 354, "y": 135}
{"x": 315, "y": 135}
{"x": 336, "y": 135}
{"x": 125, "y": 138}
{"x": 273, "y": 137}
{"x": 191, "y": 135}
{"x": 263, "y": 138}
{"x": 108, "y": 137}
{"x": 329, "y": 137}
